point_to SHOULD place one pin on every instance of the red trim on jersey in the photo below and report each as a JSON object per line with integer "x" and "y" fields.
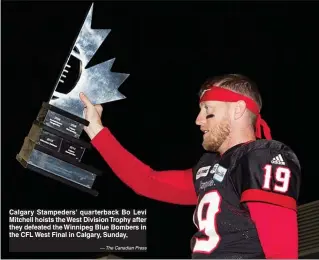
{"x": 277, "y": 228}
{"x": 266, "y": 196}
{"x": 221, "y": 94}
{"x": 175, "y": 186}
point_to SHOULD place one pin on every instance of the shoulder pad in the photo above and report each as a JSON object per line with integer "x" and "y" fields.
{"x": 272, "y": 145}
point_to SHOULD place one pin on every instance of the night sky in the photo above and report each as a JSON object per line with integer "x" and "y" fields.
{"x": 169, "y": 49}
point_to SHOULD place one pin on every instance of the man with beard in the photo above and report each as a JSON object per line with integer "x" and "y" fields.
{"x": 245, "y": 188}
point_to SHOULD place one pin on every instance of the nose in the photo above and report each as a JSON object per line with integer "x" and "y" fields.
{"x": 200, "y": 120}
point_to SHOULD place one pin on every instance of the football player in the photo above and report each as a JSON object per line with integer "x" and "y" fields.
{"x": 245, "y": 188}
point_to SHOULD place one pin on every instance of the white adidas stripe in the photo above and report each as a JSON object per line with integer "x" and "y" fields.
{"x": 278, "y": 160}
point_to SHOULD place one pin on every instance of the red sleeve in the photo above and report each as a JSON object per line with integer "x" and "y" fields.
{"x": 175, "y": 186}
{"x": 277, "y": 229}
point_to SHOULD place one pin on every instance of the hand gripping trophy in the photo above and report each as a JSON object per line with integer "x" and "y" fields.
{"x": 53, "y": 146}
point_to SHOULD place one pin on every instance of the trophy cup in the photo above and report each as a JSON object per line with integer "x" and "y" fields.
{"x": 53, "y": 146}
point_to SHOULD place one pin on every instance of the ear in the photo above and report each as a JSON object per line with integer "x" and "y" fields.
{"x": 240, "y": 108}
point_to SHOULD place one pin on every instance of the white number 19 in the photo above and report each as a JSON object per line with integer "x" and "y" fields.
{"x": 282, "y": 177}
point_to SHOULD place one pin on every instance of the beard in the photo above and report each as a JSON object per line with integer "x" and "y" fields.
{"x": 216, "y": 137}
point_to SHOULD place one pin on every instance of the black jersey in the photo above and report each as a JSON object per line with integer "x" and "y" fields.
{"x": 262, "y": 170}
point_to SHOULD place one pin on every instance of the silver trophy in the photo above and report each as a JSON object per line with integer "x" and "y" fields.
{"x": 53, "y": 146}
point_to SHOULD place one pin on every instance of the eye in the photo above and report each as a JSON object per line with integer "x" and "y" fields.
{"x": 209, "y": 111}
{"x": 207, "y": 108}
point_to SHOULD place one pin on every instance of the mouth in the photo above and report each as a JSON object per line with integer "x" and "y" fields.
{"x": 205, "y": 132}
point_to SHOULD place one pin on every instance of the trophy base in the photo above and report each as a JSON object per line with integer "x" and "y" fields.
{"x": 52, "y": 148}
{"x": 74, "y": 174}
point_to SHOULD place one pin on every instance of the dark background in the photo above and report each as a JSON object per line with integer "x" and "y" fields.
{"x": 168, "y": 49}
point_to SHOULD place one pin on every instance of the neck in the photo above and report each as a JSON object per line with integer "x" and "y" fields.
{"x": 239, "y": 137}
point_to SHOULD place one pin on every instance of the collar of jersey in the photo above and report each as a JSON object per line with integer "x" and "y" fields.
{"x": 235, "y": 147}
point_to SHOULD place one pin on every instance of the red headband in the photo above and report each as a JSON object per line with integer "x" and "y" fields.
{"x": 222, "y": 94}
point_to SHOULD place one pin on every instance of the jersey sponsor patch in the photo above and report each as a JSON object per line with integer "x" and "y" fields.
{"x": 202, "y": 172}
{"x": 220, "y": 173}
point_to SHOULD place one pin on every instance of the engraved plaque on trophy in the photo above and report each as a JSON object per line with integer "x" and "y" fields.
{"x": 53, "y": 146}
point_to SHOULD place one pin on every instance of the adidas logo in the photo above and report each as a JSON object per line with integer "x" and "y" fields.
{"x": 278, "y": 160}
